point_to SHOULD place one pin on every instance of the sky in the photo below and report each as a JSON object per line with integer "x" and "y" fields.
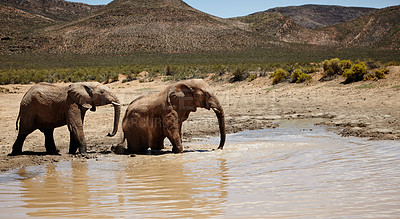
{"x": 236, "y": 8}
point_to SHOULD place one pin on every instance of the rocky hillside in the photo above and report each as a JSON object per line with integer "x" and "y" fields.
{"x": 378, "y": 28}
{"x": 22, "y": 17}
{"x": 125, "y": 26}
{"x": 172, "y": 26}
{"x": 56, "y": 10}
{"x": 316, "y": 16}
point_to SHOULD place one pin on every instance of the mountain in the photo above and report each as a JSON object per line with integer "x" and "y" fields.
{"x": 22, "y": 17}
{"x": 378, "y": 28}
{"x": 270, "y": 24}
{"x": 316, "y": 16}
{"x": 124, "y": 26}
{"x": 56, "y": 10}
{"x": 15, "y": 22}
{"x": 172, "y": 26}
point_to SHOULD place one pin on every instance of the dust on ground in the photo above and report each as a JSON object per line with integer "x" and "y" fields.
{"x": 367, "y": 109}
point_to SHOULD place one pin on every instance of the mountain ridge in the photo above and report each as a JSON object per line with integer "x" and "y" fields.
{"x": 313, "y": 16}
{"x": 172, "y": 26}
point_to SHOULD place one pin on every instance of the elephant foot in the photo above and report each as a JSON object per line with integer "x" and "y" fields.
{"x": 119, "y": 150}
{"x": 15, "y": 153}
{"x": 53, "y": 153}
{"x": 177, "y": 150}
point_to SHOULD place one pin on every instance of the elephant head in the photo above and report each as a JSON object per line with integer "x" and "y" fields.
{"x": 186, "y": 96}
{"x": 91, "y": 94}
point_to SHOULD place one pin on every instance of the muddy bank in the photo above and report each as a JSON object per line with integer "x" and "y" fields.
{"x": 366, "y": 109}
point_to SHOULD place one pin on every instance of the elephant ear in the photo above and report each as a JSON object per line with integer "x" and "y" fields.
{"x": 180, "y": 97}
{"x": 81, "y": 94}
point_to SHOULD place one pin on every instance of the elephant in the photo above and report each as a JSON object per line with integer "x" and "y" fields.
{"x": 46, "y": 106}
{"x": 150, "y": 119}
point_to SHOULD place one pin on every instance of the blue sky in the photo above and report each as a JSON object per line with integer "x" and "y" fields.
{"x": 235, "y": 8}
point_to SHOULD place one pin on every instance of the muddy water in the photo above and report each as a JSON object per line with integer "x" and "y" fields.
{"x": 296, "y": 170}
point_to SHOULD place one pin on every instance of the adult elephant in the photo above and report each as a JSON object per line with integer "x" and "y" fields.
{"x": 150, "y": 119}
{"x": 47, "y": 106}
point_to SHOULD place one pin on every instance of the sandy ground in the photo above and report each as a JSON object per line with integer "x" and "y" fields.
{"x": 367, "y": 109}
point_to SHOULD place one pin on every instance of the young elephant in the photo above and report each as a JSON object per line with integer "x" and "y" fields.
{"x": 47, "y": 106}
{"x": 148, "y": 120}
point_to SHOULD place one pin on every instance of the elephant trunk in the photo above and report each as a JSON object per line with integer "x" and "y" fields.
{"x": 117, "y": 113}
{"x": 216, "y": 106}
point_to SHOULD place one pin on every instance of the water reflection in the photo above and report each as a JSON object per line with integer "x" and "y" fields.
{"x": 173, "y": 185}
{"x": 165, "y": 186}
{"x": 285, "y": 172}
{"x": 56, "y": 190}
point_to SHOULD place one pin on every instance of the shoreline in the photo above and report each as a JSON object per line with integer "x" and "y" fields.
{"x": 367, "y": 109}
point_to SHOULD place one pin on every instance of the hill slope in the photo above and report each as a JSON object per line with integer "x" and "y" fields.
{"x": 124, "y": 26}
{"x": 379, "y": 28}
{"x": 317, "y": 16}
{"x": 57, "y": 10}
{"x": 23, "y": 17}
{"x": 172, "y": 26}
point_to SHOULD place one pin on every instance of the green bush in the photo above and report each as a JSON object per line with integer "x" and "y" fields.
{"x": 240, "y": 74}
{"x": 299, "y": 77}
{"x": 252, "y": 77}
{"x": 356, "y": 73}
{"x": 345, "y": 64}
{"x": 169, "y": 71}
{"x": 381, "y": 74}
{"x": 279, "y": 76}
{"x": 331, "y": 69}
{"x": 393, "y": 63}
{"x": 295, "y": 75}
{"x": 304, "y": 77}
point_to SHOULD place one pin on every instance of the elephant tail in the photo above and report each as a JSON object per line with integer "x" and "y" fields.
{"x": 16, "y": 124}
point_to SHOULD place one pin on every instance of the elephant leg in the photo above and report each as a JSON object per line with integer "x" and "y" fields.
{"x": 73, "y": 144}
{"x": 75, "y": 127}
{"x": 171, "y": 128}
{"x": 176, "y": 142}
{"x": 175, "y": 139}
{"x": 26, "y": 127}
{"x": 17, "y": 146}
{"x": 49, "y": 141}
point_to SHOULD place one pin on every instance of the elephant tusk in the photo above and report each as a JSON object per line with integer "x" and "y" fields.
{"x": 216, "y": 110}
{"x": 115, "y": 103}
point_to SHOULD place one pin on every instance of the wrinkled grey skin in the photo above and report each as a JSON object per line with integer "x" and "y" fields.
{"x": 150, "y": 119}
{"x": 47, "y": 106}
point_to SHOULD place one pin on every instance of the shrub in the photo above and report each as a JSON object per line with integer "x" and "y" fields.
{"x": 381, "y": 74}
{"x": 372, "y": 64}
{"x": 356, "y": 73}
{"x": 168, "y": 71}
{"x": 130, "y": 77}
{"x": 309, "y": 69}
{"x": 331, "y": 69}
{"x": 345, "y": 64}
{"x": 299, "y": 77}
{"x": 252, "y": 77}
{"x": 295, "y": 75}
{"x": 240, "y": 74}
{"x": 304, "y": 77}
{"x": 220, "y": 69}
{"x": 279, "y": 76}
{"x": 392, "y": 63}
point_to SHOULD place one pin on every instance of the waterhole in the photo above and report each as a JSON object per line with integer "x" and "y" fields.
{"x": 296, "y": 170}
